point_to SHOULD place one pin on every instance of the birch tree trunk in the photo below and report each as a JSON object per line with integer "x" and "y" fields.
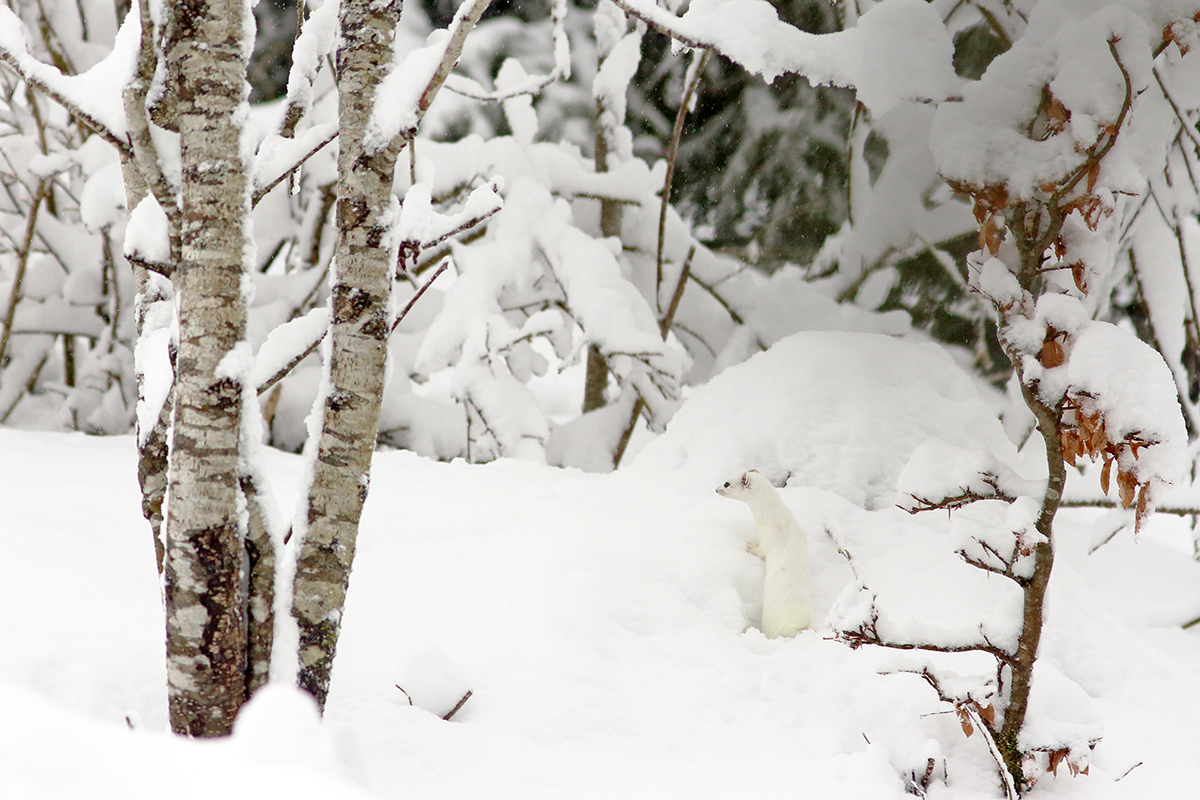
{"x": 206, "y": 625}
{"x": 359, "y": 332}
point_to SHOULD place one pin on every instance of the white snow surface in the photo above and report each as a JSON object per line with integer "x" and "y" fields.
{"x": 603, "y": 624}
{"x": 834, "y": 410}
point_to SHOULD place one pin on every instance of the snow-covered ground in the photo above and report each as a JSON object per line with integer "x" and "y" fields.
{"x": 603, "y": 623}
{"x": 600, "y": 622}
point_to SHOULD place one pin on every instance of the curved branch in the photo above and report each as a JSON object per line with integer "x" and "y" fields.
{"x": 93, "y": 124}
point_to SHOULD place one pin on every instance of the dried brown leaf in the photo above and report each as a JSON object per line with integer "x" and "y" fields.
{"x": 1099, "y": 440}
{"x": 1105, "y": 471}
{"x": 1143, "y": 508}
{"x": 964, "y": 719}
{"x": 1052, "y": 354}
{"x": 1070, "y": 445}
{"x": 989, "y": 235}
{"x": 980, "y": 211}
{"x": 1127, "y": 485}
{"x": 1093, "y": 175}
{"x": 1077, "y": 274}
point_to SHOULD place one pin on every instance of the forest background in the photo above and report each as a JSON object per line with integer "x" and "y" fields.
{"x": 544, "y": 228}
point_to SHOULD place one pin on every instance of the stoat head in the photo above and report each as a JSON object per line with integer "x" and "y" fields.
{"x": 740, "y": 488}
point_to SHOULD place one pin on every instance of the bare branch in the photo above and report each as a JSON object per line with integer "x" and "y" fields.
{"x": 868, "y": 633}
{"x": 672, "y": 154}
{"x": 408, "y": 307}
{"x": 38, "y": 83}
{"x": 1010, "y": 788}
{"x": 143, "y": 153}
{"x": 457, "y": 706}
{"x": 965, "y": 497}
{"x": 263, "y": 190}
{"x": 159, "y": 267}
{"x": 14, "y": 295}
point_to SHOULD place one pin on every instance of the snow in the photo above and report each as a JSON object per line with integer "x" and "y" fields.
{"x": 396, "y": 110}
{"x": 147, "y": 235}
{"x": 899, "y": 50}
{"x": 96, "y": 92}
{"x": 601, "y": 623}
{"x": 838, "y": 411}
{"x": 1131, "y": 385}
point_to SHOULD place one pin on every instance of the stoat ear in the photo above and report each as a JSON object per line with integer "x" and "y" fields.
{"x": 746, "y": 478}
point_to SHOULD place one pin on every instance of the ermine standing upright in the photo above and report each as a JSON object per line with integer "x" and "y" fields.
{"x": 787, "y": 601}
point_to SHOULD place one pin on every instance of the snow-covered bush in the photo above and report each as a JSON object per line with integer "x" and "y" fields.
{"x": 66, "y": 323}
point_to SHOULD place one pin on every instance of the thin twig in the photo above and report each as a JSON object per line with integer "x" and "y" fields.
{"x": 664, "y": 327}
{"x": 672, "y": 154}
{"x": 408, "y": 307}
{"x": 1010, "y": 788}
{"x": 265, "y": 189}
{"x": 14, "y": 295}
{"x": 457, "y": 706}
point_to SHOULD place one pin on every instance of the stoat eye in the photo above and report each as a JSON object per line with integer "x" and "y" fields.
{"x": 726, "y": 484}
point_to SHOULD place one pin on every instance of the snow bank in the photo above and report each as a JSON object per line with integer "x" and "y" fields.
{"x": 603, "y": 623}
{"x": 832, "y": 410}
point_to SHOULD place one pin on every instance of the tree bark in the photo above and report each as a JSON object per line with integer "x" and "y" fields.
{"x": 206, "y": 624}
{"x": 359, "y": 332}
{"x": 1049, "y": 422}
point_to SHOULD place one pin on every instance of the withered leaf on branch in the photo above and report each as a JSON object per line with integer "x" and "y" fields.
{"x": 964, "y": 719}
{"x": 1105, "y": 472}
{"x": 1057, "y": 115}
{"x": 988, "y": 713}
{"x": 1127, "y": 486}
{"x": 1052, "y": 354}
{"x": 1143, "y": 506}
{"x": 1077, "y": 276}
{"x": 1099, "y": 438}
{"x": 1071, "y": 445}
{"x": 989, "y": 235}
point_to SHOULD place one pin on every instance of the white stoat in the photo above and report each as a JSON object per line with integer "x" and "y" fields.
{"x": 787, "y": 601}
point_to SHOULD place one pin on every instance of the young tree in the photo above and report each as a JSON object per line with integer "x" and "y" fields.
{"x": 205, "y": 56}
{"x": 1054, "y": 169}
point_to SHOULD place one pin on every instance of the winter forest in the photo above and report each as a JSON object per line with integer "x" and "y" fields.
{"x": 377, "y": 380}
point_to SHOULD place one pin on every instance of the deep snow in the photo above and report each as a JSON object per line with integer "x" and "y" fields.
{"x": 601, "y": 624}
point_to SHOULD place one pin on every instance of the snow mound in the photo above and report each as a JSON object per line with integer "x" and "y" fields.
{"x": 834, "y": 410}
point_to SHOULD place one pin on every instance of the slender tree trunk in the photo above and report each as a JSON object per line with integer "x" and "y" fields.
{"x": 206, "y": 624}
{"x": 1049, "y": 422}
{"x": 359, "y": 344}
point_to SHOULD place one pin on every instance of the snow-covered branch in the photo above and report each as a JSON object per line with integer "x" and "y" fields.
{"x": 899, "y": 51}
{"x": 409, "y": 89}
{"x": 532, "y": 84}
{"x": 89, "y": 97}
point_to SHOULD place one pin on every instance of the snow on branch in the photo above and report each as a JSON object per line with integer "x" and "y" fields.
{"x": 899, "y": 51}
{"x": 532, "y": 84}
{"x": 404, "y": 96}
{"x": 93, "y": 97}
{"x": 312, "y": 44}
{"x": 279, "y": 156}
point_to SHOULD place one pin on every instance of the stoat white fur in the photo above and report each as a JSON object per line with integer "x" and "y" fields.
{"x": 787, "y": 600}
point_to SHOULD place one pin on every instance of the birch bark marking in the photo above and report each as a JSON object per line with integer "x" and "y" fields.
{"x": 359, "y": 344}
{"x": 206, "y": 637}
